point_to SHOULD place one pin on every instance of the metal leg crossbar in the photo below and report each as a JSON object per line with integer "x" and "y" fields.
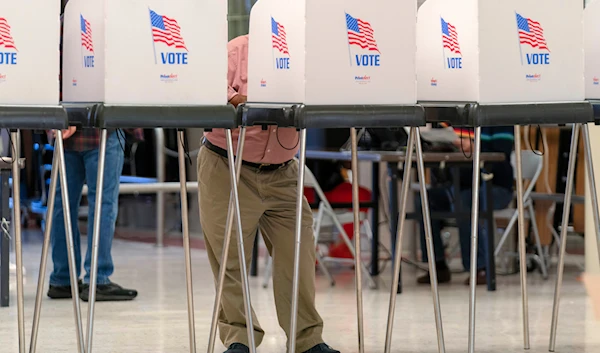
{"x": 414, "y": 138}
{"x": 225, "y": 253}
{"x": 566, "y": 212}
{"x": 474, "y": 114}
{"x": 16, "y": 117}
{"x": 186, "y": 236}
{"x": 244, "y": 272}
{"x": 475, "y": 238}
{"x": 105, "y": 116}
{"x": 325, "y": 116}
{"x": 58, "y": 170}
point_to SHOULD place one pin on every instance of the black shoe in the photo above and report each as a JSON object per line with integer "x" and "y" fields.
{"x": 109, "y": 293}
{"x": 237, "y": 348}
{"x": 481, "y": 278}
{"x": 444, "y": 275}
{"x": 62, "y": 292}
{"x": 321, "y": 348}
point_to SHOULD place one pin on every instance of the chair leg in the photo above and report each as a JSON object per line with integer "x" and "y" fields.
{"x": 324, "y": 269}
{"x": 538, "y": 242}
{"x": 346, "y": 239}
{"x": 317, "y": 235}
{"x": 369, "y": 232}
{"x": 511, "y": 224}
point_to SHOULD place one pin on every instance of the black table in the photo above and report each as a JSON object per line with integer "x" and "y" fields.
{"x": 431, "y": 160}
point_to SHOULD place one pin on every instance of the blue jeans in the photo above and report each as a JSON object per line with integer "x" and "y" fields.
{"x": 441, "y": 200}
{"x": 82, "y": 167}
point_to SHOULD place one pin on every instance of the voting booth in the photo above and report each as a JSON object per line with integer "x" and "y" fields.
{"x": 145, "y": 52}
{"x": 29, "y": 52}
{"x": 148, "y": 64}
{"x": 500, "y": 51}
{"x": 592, "y": 50}
{"x": 29, "y": 97}
{"x": 337, "y": 64}
{"x": 334, "y": 52}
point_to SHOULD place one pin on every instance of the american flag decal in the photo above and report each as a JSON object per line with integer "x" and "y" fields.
{"x": 531, "y": 33}
{"x": 6, "y": 39}
{"x": 450, "y": 37}
{"x": 279, "y": 37}
{"x": 360, "y": 33}
{"x": 86, "y": 35}
{"x": 166, "y": 30}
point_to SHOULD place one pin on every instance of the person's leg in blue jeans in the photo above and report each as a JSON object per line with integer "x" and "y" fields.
{"x": 439, "y": 201}
{"x": 60, "y": 282}
{"x": 110, "y": 205}
{"x": 501, "y": 197}
{"x": 113, "y": 167}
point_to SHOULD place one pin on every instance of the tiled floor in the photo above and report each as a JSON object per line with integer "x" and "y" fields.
{"x": 157, "y": 320}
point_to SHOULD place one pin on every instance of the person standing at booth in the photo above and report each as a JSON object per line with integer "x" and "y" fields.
{"x": 81, "y": 159}
{"x": 441, "y": 199}
{"x": 267, "y": 190}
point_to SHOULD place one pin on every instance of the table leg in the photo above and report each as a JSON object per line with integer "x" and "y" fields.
{"x": 474, "y": 235}
{"x": 375, "y": 217}
{"x": 4, "y": 240}
{"x": 489, "y": 219}
{"x": 393, "y": 174}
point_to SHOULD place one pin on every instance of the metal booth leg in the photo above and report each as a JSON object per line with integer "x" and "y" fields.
{"x": 521, "y": 232}
{"x": 357, "y": 247}
{"x": 474, "y": 235}
{"x": 45, "y": 248}
{"x": 563, "y": 232}
{"x": 241, "y": 252}
{"x": 58, "y": 170}
{"x": 587, "y": 147}
{"x": 429, "y": 238}
{"x": 16, "y": 177}
{"x": 226, "y": 244}
{"x": 95, "y": 241}
{"x": 186, "y": 240}
{"x": 296, "y": 278}
{"x": 398, "y": 255}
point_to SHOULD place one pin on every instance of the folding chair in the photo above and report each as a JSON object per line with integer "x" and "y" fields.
{"x": 532, "y": 168}
{"x": 326, "y": 216}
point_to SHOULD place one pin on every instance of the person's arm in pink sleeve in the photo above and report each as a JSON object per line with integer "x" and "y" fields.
{"x": 232, "y": 59}
{"x": 233, "y": 74}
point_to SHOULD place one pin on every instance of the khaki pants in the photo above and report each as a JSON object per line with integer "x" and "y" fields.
{"x": 268, "y": 202}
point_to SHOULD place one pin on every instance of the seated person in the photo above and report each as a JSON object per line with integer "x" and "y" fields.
{"x": 441, "y": 199}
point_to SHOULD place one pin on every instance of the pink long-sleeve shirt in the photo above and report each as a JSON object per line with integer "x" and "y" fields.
{"x": 272, "y": 146}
